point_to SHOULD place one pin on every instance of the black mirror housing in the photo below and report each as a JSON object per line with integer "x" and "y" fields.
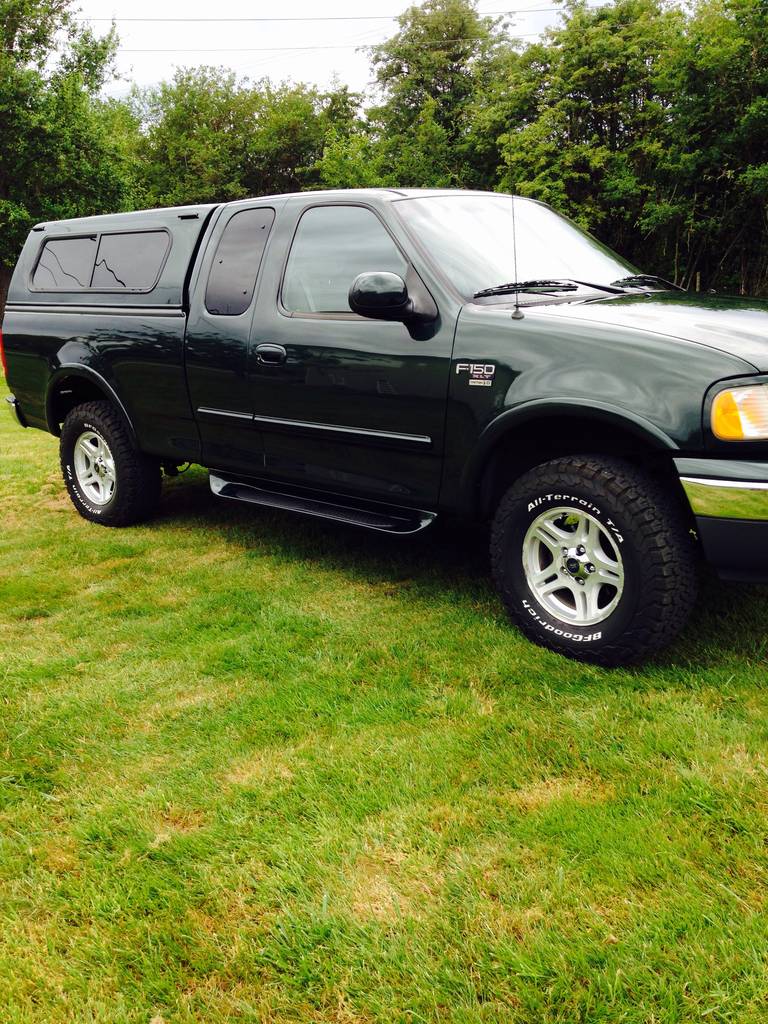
{"x": 380, "y": 295}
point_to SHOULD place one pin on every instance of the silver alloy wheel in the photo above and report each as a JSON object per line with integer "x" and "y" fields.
{"x": 572, "y": 566}
{"x": 95, "y": 468}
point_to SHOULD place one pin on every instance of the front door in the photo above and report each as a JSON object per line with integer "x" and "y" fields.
{"x": 345, "y": 403}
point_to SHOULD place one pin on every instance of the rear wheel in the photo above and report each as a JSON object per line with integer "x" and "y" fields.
{"x": 108, "y": 479}
{"x": 593, "y": 559}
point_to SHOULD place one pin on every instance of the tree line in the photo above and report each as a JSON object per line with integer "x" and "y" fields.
{"x": 645, "y": 121}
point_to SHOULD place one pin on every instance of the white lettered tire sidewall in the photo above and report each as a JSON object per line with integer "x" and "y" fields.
{"x": 73, "y": 484}
{"x": 647, "y": 527}
{"x": 137, "y": 476}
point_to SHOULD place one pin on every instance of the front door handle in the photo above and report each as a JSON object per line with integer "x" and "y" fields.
{"x": 271, "y": 355}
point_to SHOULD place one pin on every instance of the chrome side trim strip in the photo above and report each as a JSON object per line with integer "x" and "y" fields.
{"x": 383, "y": 435}
{"x": 43, "y": 307}
{"x": 727, "y": 499}
{"x": 743, "y": 485}
{"x": 225, "y": 412}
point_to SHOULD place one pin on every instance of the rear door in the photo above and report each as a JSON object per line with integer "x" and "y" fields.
{"x": 222, "y": 302}
{"x": 345, "y": 403}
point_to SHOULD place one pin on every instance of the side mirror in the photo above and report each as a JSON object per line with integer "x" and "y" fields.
{"x": 380, "y": 296}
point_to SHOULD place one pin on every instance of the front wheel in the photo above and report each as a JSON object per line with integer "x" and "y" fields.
{"x": 108, "y": 480}
{"x": 593, "y": 560}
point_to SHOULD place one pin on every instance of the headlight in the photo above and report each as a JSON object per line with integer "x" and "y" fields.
{"x": 741, "y": 414}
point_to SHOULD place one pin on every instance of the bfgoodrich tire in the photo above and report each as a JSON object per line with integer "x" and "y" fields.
{"x": 108, "y": 480}
{"x": 593, "y": 559}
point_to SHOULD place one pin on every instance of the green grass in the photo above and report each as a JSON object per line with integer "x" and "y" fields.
{"x": 259, "y": 769}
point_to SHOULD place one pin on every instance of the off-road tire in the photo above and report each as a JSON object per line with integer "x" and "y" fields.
{"x": 647, "y": 526}
{"x": 137, "y": 488}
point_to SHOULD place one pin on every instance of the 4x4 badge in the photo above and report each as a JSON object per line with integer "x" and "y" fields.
{"x": 479, "y": 374}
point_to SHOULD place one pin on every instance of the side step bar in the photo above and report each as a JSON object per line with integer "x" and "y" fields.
{"x": 385, "y": 519}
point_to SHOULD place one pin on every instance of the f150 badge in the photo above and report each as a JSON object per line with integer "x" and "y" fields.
{"x": 480, "y": 375}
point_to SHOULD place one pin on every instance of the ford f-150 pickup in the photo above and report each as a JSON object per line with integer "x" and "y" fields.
{"x": 386, "y": 357}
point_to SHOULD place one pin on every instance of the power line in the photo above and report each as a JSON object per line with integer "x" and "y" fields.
{"x": 351, "y": 17}
{"x": 270, "y": 49}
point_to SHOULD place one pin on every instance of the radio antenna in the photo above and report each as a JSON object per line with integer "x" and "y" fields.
{"x": 518, "y": 313}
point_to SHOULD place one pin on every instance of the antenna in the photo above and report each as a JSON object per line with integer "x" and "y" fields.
{"x": 518, "y": 313}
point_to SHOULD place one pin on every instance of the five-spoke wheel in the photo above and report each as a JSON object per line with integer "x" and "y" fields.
{"x": 593, "y": 558}
{"x": 572, "y": 566}
{"x": 95, "y": 467}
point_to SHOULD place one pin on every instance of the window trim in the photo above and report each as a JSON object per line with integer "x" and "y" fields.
{"x": 338, "y": 314}
{"x": 98, "y": 235}
{"x": 214, "y": 253}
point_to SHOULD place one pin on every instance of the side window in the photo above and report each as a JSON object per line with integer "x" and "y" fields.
{"x": 121, "y": 261}
{"x": 332, "y": 245}
{"x": 130, "y": 260}
{"x": 236, "y": 262}
{"x": 66, "y": 263}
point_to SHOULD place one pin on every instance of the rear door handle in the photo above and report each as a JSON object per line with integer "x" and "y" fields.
{"x": 271, "y": 355}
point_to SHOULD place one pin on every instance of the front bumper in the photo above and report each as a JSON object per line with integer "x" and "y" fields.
{"x": 729, "y": 499}
{"x": 16, "y": 409}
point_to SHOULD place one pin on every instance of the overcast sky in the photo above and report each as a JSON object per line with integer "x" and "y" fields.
{"x": 256, "y": 49}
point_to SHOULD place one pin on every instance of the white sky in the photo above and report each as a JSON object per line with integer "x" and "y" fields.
{"x": 328, "y": 47}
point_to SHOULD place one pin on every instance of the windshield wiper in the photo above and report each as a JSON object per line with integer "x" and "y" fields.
{"x": 545, "y": 287}
{"x": 643, "y": 279}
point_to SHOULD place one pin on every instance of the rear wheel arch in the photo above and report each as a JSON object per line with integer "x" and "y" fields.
{"x": 74, "y": 385}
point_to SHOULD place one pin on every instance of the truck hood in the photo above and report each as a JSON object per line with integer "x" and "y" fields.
{"x": 733, "y": 325}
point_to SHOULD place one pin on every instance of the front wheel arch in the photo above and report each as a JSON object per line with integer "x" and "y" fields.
{"x": 538, "y": 432}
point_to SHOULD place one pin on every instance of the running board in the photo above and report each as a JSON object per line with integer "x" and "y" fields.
{"x": 385, "y": 519}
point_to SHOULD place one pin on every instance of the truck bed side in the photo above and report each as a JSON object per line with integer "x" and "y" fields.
{"x": 69, "y": 341}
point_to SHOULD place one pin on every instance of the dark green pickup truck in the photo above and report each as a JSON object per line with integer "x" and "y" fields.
{"x": 385, "y": 357}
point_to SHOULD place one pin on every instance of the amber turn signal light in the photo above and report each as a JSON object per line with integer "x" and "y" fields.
{"x": 741, "y": 414}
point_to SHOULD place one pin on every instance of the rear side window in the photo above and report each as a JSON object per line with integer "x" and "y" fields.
{"x": 236, "y": 264}
{"x": 120, "y": 261}
{"x": 66, "y": 263}
{"x": 130, "y": 260}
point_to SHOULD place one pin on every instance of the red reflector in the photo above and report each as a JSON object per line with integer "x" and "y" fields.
{"x": 2, "y": 356}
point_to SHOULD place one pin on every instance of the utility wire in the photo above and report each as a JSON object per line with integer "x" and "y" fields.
{"x": 270, "y": 49}
{"x": 351, "y": 17}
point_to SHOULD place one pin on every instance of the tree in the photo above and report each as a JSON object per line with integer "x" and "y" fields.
{"x": 291, "y": 125}
{"x": 713, "y": 172}
{"x": 208, "y": 136}
{"x": 56, "y": 156}
{"x": 430, "y": 74}
{"x": 195, "y": 135}
{"x": 649, "y": 125}
{"x": 585, "y": 115}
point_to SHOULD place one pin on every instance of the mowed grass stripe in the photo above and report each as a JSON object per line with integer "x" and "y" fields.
{"x": 261, "y": 769}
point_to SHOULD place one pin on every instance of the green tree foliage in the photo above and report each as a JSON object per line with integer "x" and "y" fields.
{"x": 713, "y": 170}
{"x": 208, "y": 136}
{"x": 430, "y": 74}
{"x": 56, "y": 156}
{"x": 195, "y": 133}
{"x": 645, "y": 120}
{"x": 649, "y": 125}
{"x": 585, "y": 116}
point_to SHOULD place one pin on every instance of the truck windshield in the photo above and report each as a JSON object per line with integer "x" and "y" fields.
{"x": 470, "y": 239}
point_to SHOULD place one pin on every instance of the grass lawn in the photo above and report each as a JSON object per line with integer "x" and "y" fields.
{"x": 261, "y": 769}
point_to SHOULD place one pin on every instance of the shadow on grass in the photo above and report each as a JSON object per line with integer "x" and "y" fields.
{"x": 729, "y": 621}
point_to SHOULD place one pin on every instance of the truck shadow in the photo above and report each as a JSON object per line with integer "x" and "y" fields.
{"x": 730, "y": 620}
